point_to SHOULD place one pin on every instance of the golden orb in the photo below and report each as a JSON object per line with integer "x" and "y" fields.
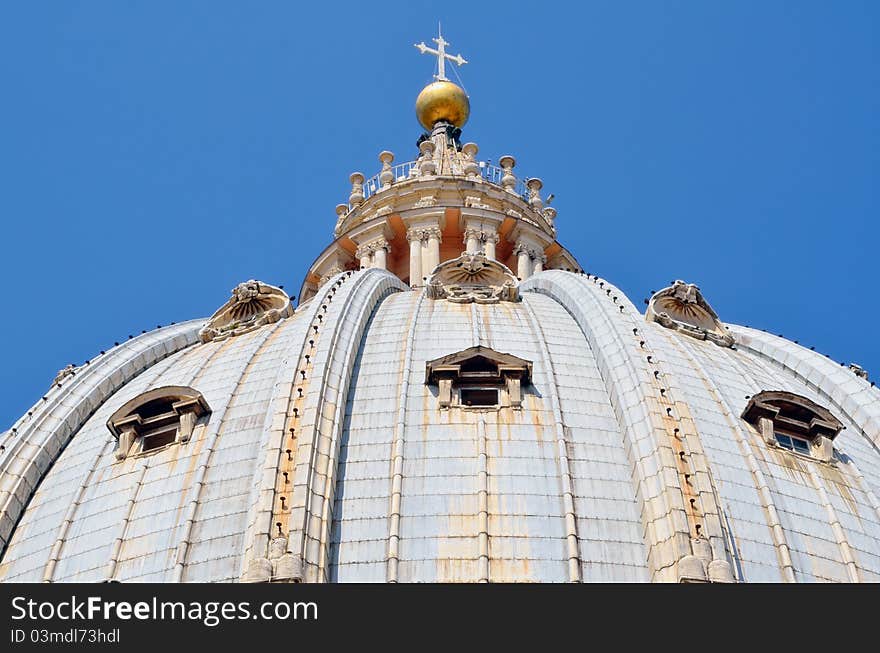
{"x": 442, "y": 100}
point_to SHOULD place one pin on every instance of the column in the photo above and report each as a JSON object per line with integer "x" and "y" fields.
{"x": 432, "y": 259}
{"x": 380, "y": 254}
{"x": 363, "y": 256}
{"x": 523, "y": 261}
{"x": 540, "y": 260}
{"x": 414, "y": 236}
{"x": 472, "y": 240}
{"x": 489, "y": 244}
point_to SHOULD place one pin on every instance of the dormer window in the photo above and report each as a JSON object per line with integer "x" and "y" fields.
{"x": 793, "y": 422}
{"x": 479, "y": 378}
{"x": 157, "y": 419}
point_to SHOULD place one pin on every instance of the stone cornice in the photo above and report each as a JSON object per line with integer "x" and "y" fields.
{"x": 443, "y": 192}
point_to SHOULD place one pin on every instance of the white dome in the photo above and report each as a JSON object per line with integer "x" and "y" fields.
{"x": 589, "y": 422}
{"x": 433, "y": 418}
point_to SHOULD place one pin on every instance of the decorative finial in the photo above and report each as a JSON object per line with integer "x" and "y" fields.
{"x": 441, "y": 55}
{"x": 442, "y": 100}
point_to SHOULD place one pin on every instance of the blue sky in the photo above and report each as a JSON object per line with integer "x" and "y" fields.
{"x": 155, "y": 154}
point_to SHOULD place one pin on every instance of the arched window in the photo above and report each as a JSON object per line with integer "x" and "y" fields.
{"x": 793, "y": 422}
{"x": 479, "y": 378}
{"x": 156, "y": 419}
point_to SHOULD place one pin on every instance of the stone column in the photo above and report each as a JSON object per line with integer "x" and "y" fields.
{"x": 380, "y": 254}
{"x": 489, "y": 244}
{"x": 472, "y": 240}
{"x": 363, "y": 256}
{"x": 523, "y": 261}
{"x": 540, "y": 260}
{"x": 432, "y": 258}
{"x": 414, "y": 236}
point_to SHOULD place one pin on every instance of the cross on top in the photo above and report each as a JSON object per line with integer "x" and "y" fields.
{"x": 441, "y": 54}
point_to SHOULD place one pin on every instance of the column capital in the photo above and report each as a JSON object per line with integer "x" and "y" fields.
{"x": 433, "y": 232}
{"x": 472, "y": 232}
{"x": 377, "y": 244}
{"x": 522, "y": 247}
{"x": 362, "y": 251}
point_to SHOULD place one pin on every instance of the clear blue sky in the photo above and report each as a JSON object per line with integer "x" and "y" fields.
{"x": 154, "y": 154}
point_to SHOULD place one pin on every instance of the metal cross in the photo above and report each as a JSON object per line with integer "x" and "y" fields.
{"x": 441, "y": 54}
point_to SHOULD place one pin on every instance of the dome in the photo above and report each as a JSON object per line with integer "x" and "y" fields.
{"x": 442, "y": 101}
{"x": 453, "y": 399}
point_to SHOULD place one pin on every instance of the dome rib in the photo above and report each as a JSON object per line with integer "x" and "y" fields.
{"x": 573, "y": 554}
{"x": 837, "y": 535}
{"x": 220, "y": 420}
{"x": 321, "y": 423}
{"x": 53, "y": 425}
{"x": 275, "y": 426}
{"x": 398, "y": 450}
{"x": 679, "y": 548}
{"x": 57, "y": 549}
{"x": 746, "y": 447}
{"x": 851, "y": 395}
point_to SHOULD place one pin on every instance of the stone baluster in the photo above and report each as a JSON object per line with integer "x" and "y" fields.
{"x": 508, "y": 181}
{"x": 535, "y": 185}
{"x": 386, "y": 177}
{"x": 427, "y": 165}
{"x": 490, "y": 240}
{"x": 415, "y": 236}
{"x": 357, "y": 189}
{"x": 471, "y": 167}
{"x": 341, "y": 212}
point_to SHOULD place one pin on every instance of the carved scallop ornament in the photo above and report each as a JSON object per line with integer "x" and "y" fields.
{"x": 473, "y": 278}
{"x": 252, "y": 305}
{"x": 683, "y": 308}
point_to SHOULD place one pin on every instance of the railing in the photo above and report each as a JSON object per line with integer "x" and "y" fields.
{"x": 401, "y": 172}
{"x": 493, "y": 175}
{"x": 409, "y": 170}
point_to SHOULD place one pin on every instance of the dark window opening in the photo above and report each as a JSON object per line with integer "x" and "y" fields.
{"x": 479, "y": 397}
{"x": 793, "y": 443}
{"x": 156, "y": 407}
{"x": 158, "y": 439}
{"x": 479, "y": 364}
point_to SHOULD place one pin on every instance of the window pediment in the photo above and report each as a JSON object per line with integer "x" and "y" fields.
{"x": 786, "y": 419}
{"x": 479, "y": 377}
{"x": 157, "y": 418}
